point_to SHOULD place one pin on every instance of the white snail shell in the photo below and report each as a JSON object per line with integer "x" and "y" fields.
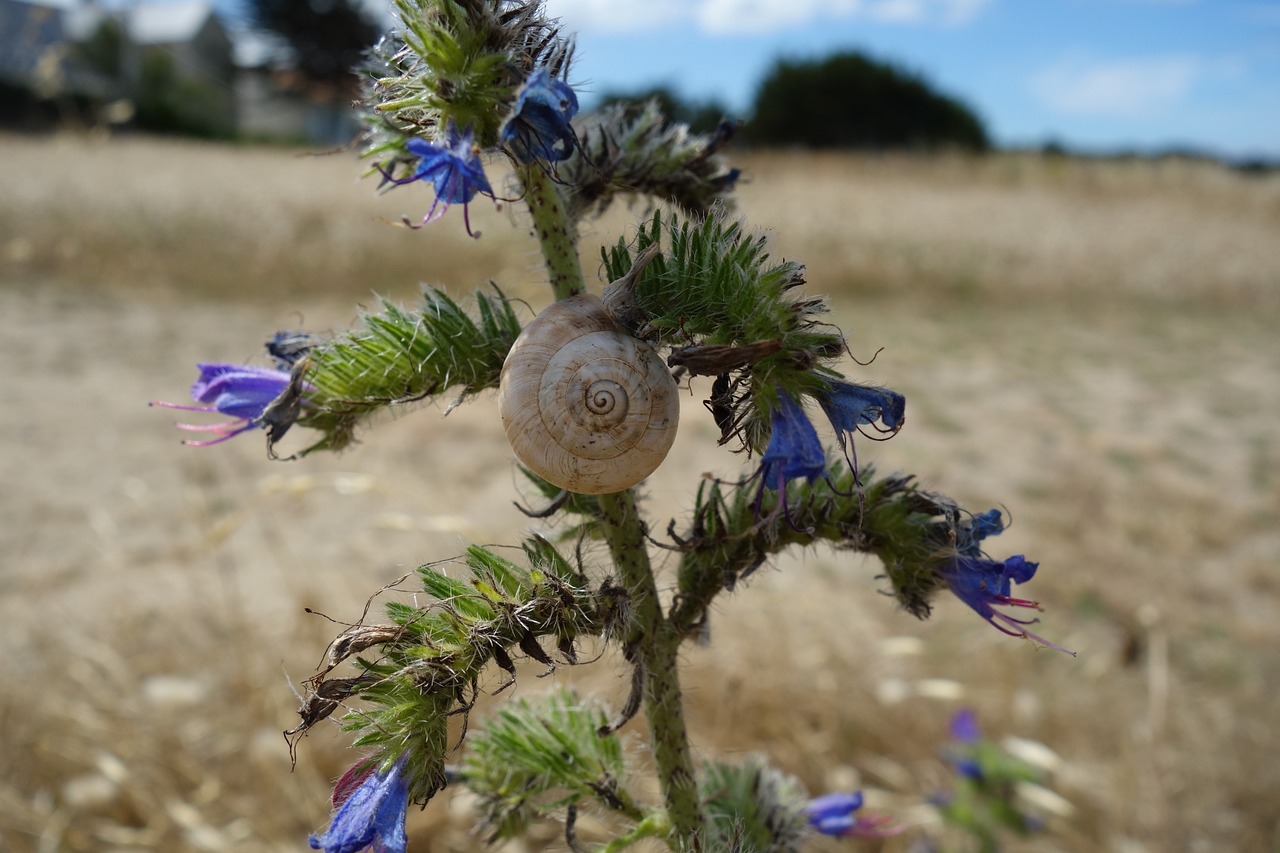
{"x": 586, "y": 406}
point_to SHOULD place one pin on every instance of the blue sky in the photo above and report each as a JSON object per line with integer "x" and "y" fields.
{"x": 1094, "y": 74}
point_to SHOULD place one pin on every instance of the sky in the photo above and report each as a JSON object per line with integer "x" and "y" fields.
{"x": 1100, "y": 75}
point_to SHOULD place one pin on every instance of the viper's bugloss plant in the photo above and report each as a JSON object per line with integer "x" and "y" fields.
{"x": 463, "y": 88}
{"x": 994, "y": 788}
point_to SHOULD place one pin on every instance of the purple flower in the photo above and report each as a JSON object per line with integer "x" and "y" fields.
{"x": 793, "y": 450}
{"x": 849, "y": 406}
{"x": 964, "y": 726}
{"x": 240, "y": 391}
{"x": 371, "y": 811}
{"x": 538, "y": 127}
{"x": 832, "y": 814}
{"x": 964, "y": 729}
{"x": 982, "y": 583}
{"x": 453, "y": 168}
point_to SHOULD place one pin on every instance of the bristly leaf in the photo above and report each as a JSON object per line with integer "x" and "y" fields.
{"x": 404, "y": 356}
{"x": 538, "y": 755}
{"x": 716, "y": 283}
{"x": 752, "y": 808}
{"x": 734, "y": 530}
{"x": 432, "y": 656}
{"x": 643, "y": 155}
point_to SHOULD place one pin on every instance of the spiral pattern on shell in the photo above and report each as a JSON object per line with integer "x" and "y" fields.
{"x": 585, "y": 405}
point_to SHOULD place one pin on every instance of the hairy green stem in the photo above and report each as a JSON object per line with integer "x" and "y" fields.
{"x": 554, "y": 230}
{"x": 653, "y": 643}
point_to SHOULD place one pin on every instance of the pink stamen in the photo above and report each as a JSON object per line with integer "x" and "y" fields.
{"x": 1017, "y": 602}
{"x": 162, "y": 404}
{"x": 1023, "y": 633}
{"x": 221, "y": 438}
{"x": 237, "y": 425}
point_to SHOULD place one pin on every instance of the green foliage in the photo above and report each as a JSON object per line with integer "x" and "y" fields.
{"x": 725, "y": 305}
{"x": 103, "y": 49}
{"x": 401, "y": 356}
{"x": 985, "y": 801}
{"x": 733, "y": 530}
{"x": 454, "y": 60}
{"x": 852, "y": 101}
{"x": 715, "y": 283}
{"x": 168, "y": 102}
{"x": 430, "y": 658}
{"x": 752, "y": 808}
{"x": 327, "y": 39}
{"x": 536, "y": 756}
{"x": 640, "y": 154}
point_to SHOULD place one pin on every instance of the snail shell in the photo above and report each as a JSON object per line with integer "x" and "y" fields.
{"x": 585, "y": 405}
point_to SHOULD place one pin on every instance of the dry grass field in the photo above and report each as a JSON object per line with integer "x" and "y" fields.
{"x": 1088, "y": 344}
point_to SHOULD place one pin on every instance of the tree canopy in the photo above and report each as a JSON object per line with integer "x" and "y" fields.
{"x": 850, "y": 100}
{"x": 328, "y": 37}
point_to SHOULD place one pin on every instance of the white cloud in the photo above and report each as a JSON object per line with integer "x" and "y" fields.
{"x": 721, "y": 17}
{"x": 759, "y": 16}
{"x": 945, "y": 12}
{"x": 1117, "y": 88}
{"x": 613, "y": 16}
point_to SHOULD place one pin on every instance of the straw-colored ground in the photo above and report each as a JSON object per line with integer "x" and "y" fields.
{"x": 1089, "y": 345}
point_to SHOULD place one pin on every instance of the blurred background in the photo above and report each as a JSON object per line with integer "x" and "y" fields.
{"x": 1057, "y": 228}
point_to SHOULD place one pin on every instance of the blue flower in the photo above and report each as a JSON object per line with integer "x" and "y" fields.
{"x": 971, "y": 533}
{"x": 240, "y": 391}
{"x": 371, "y": 811}
{"x": 793, "y": 450}
{"x": 964, "y": 726}
{"x": 832, "y": 814}
{"x": 538, "y": 127}
{"x": 964, "y": 730}
{"x": 453, "y": 168}
{"x": 849, "y": 406}
{"x": 983, "y": 584}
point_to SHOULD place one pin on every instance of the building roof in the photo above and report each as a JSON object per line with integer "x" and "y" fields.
{"x": 27, "y": 31}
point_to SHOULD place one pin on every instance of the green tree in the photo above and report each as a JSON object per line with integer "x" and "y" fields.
{"x": 328, "y": 37}
{"x": 852, "y": 101}
{"x": 103, "y": 49}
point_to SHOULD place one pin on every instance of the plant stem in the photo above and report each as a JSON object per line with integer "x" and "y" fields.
{"x": 652, "y": 643}
{"x": 554, "y": 231}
